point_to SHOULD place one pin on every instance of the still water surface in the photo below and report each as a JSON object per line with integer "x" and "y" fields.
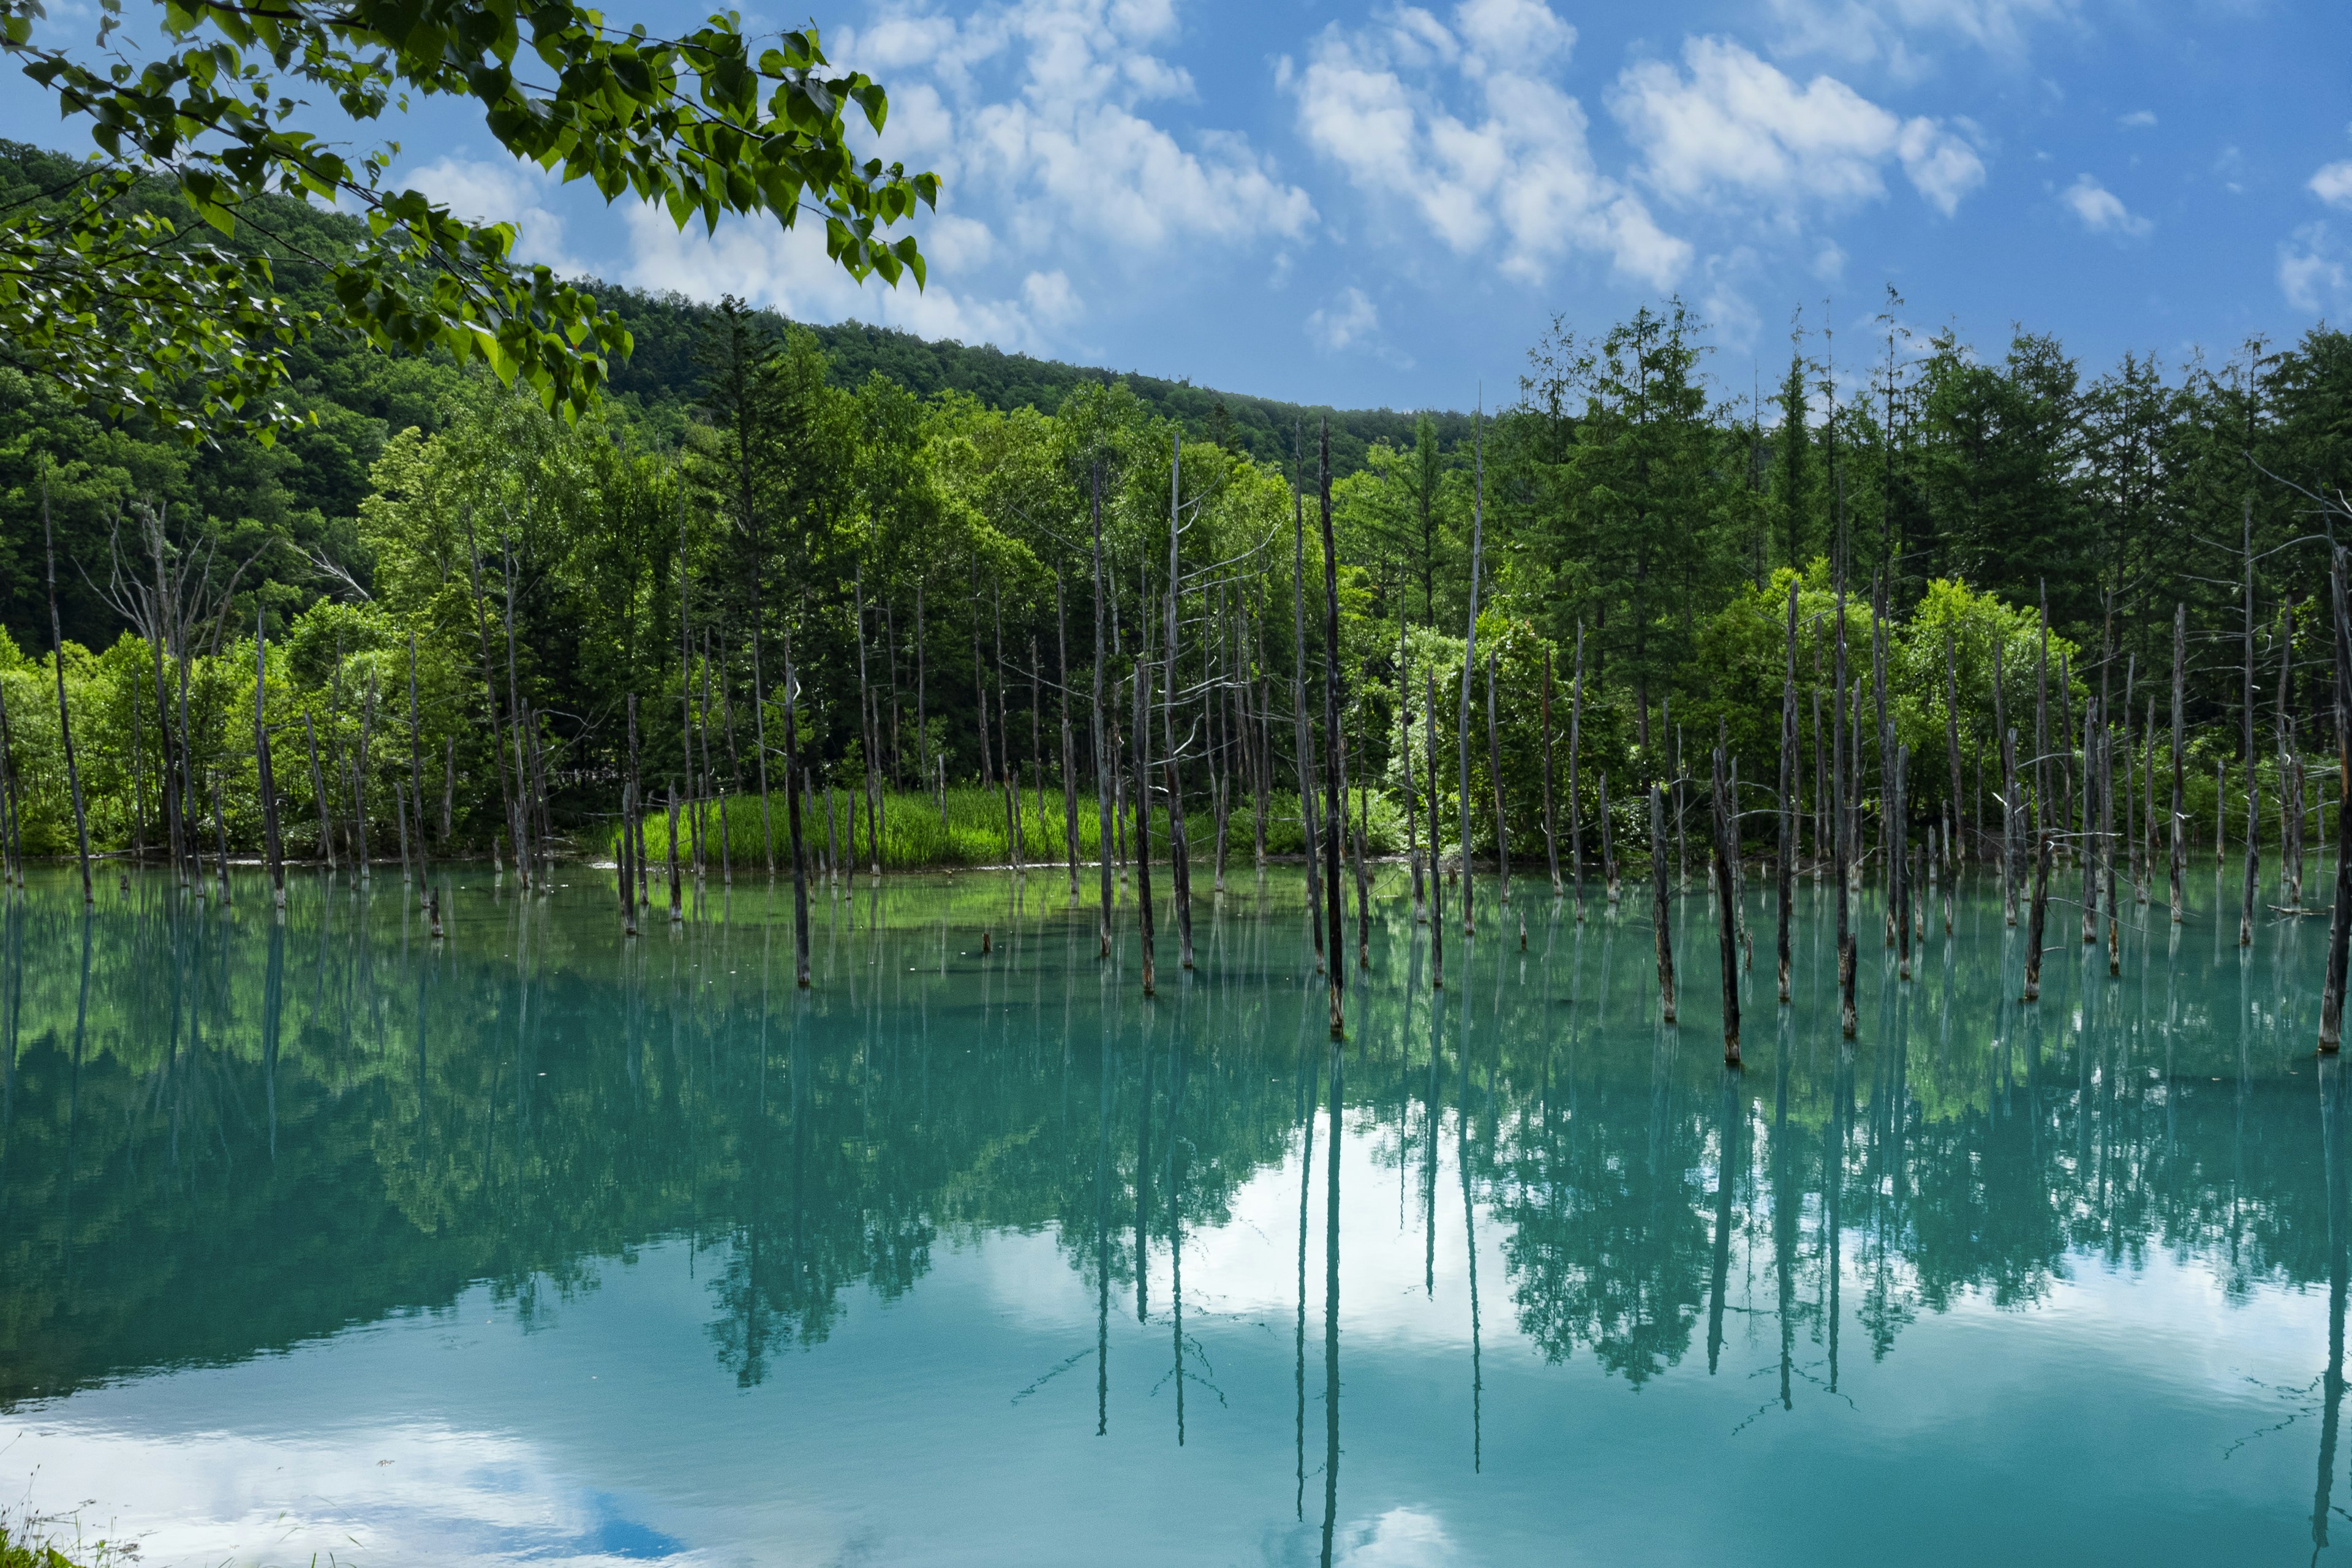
{"x": 318, "y": 1240}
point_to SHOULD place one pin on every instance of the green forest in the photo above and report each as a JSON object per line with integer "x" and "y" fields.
{"x": 952, "y": 593}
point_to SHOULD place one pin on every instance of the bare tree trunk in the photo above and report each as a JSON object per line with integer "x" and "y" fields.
{"x": 677, "y": 893}
{"x": 1331, "y": 739}
{"x": 1726, "y": 922}
{"x": 1436, "y": 877}
{"x": 1179, "y": 866}
{"x": 2290, "y": 796}
{"x": 1551, "y": 841}
{"x": 2006, "y": 740}
{"x": 2254, "y": 783}
{"x": 1840, "y": 837}
{"x": 489, "y": 691}
{"x": 1469, "y": 662}
{"x": 796, "y": 843}
{"x": 12, "y": 803}
{"x": 2036, "y": 921}
{"x": 1786, "y": 870}
{"x": 1305, "y": 750}
{"x": 1143, "y": 813}
{"x": 1104, "y": 804}
{"x": 1662, "y": 929}
{"x": 1575, "y": 745}
{"x": 1608, "y": 843}
{"x": 318, "y": 793}
{"x": 760, "y": 745}
{"x": 1069, "y": 750}
{"x": 416, "y": 768}
{"x": 1494, "y": 766}
{"x": 360, "y": 773}
{"x": 1953, "y": 852}
{"x": 65, "y": 718}
{"x": 2340, "y": 924}
{"x": 265, "y": 780}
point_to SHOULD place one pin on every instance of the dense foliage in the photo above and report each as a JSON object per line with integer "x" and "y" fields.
{"x": 913, "y": 526}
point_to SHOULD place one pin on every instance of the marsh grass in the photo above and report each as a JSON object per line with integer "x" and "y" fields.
{"x": 972, "y": 830}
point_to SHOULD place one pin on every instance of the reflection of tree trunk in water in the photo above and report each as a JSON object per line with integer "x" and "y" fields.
{"x": 1176, "y": 1218}
{"x": 1306, "y": 1187}
{"x": 1726, "y": 1142}
{"x": 273, "y": 989}
{"x": 2331, "y": 1134}
{"x": 1331, "y": 1313}
{"x": 1470, "y": 1244}
{"x": 1109, "y": 1070}
{"x": 1833, "y": 1180}
{"x": 1784, "y": 1217}
{"x": 1143, "y": 1182}
{"x": 1436, "y": 1119}
{"x": 73, "y": 1115}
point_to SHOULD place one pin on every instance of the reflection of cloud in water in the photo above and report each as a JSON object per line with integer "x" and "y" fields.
{"x": 400, "y": 1494}
{"x": 1400, "y": 1538}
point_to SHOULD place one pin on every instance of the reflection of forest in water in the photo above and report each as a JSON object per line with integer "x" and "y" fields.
{"x": 224, "y": 1134}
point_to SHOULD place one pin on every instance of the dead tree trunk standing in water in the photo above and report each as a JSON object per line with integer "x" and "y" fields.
{"x": 65, "y": 718}
{"x": 1658, "y": 906}
{"x": 794, "y": 844}
{"x": 1405, "y": 750}
{"x": 1575, "y": 806}
{"x": 2180, "y": 840}
{"x": 265, "y": 778}
{"x": 318, "y": 793}
{"x": 1840, "y": 837}
{"x": 2290, "y": 813}
{"x": 2006, "y": 742}
{"x": 1551, "y": 841}
{"x": 1069, "y": 752}
{"x": 1494, "y": 766}
{"x": 1469, "y": 663}
{"x": 1304, "y": 732}
{"x": 415, "y": 769}
{"x": 2253, "y": 785}
{"x": 1180, "y": 860}
{"x": 2340, "y": 924}
{"x": 760, "y": 748}
{"x": 1359, "y": 846}
{"x": 1785, "y": 872}
{"x": 1143, "y": 811}
{"x": 1608, "y": 844}
{"x": 359, "y": 774}
{"x": 1955, "y": 849}
{"x": 1726, "y": 921}
{"x": 1333, "y": 804}
{"x": 2037, "y": 917}
{"x": 1103, "y": 762}
{"x": 1436, "y": 878}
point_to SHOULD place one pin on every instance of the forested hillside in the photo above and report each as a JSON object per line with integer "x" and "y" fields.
{"x": 914, "y": 526}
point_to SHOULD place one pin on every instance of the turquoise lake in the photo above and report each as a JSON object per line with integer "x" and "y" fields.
{"x": 320, "y": 1241}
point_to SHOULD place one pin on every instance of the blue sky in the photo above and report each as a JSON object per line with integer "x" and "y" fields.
{"x": 1386, "y": 205}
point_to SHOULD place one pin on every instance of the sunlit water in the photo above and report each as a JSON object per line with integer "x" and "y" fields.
{"x": 318, "y": 1240}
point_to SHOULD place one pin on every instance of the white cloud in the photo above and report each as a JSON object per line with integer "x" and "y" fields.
{"x": 1458, "y": 121}
{"x": 2100, "y": 210}
{"x": 2333, "y": 185}
{"x": 1737, "y": 124}
{"x": 1896, "y": 35}
{"x": 1348, "y": 318}
{"x": 503, "y": 193}
{"x": 2137, "y": 120}
{"x": 1033, "y": 110}
{"x": 790, "y": 271}
{"x": 2315, "y": 272}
